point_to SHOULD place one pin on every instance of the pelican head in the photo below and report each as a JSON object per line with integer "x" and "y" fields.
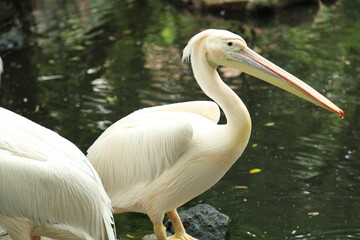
{"x": 224, "y": 48}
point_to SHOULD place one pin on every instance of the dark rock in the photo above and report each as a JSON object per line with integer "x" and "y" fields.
{"x": 203, "y": 222}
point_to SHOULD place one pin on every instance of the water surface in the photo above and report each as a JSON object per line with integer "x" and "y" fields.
{"x": 77, "y": 67}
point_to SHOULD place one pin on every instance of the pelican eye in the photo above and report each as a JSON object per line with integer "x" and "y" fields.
{"x": 230, "y": 43}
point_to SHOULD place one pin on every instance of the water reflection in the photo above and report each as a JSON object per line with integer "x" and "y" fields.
{"x": 85, "y": 64}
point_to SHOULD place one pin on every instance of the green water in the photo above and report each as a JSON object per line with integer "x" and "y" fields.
{"x": 80, "y": 66}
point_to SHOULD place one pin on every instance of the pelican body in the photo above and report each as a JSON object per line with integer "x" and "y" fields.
{"x": 47, "y": 186}
{"x": 156, "y": 159}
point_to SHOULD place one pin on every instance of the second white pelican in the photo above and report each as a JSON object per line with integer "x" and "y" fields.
{"x": 156, "y": 159}
{"x": 47, "y": 186}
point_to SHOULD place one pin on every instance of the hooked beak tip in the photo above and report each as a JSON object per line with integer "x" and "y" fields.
{"x": 341, "y": 112}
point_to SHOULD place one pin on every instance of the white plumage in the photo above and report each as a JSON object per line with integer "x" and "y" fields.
{"x": 156, "y": 159}
{"x": 47, "y": 186}
{"x": 148, "y": 143}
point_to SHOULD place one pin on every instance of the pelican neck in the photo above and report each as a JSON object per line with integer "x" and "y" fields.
{"x": 212, "y": 85}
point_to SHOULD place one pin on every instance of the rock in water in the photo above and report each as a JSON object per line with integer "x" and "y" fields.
{"x": 203, "y": 222}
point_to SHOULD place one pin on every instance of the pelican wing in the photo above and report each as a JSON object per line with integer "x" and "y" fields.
{"x": 139, "y": 147}
{"x": 207, "y": 109}
{"x": 49, "y": 195}
{"x": 25, "y": 138}
{"x": 145, "y": 143}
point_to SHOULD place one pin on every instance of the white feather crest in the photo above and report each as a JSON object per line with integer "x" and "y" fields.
{"x": 192, "y": 42}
